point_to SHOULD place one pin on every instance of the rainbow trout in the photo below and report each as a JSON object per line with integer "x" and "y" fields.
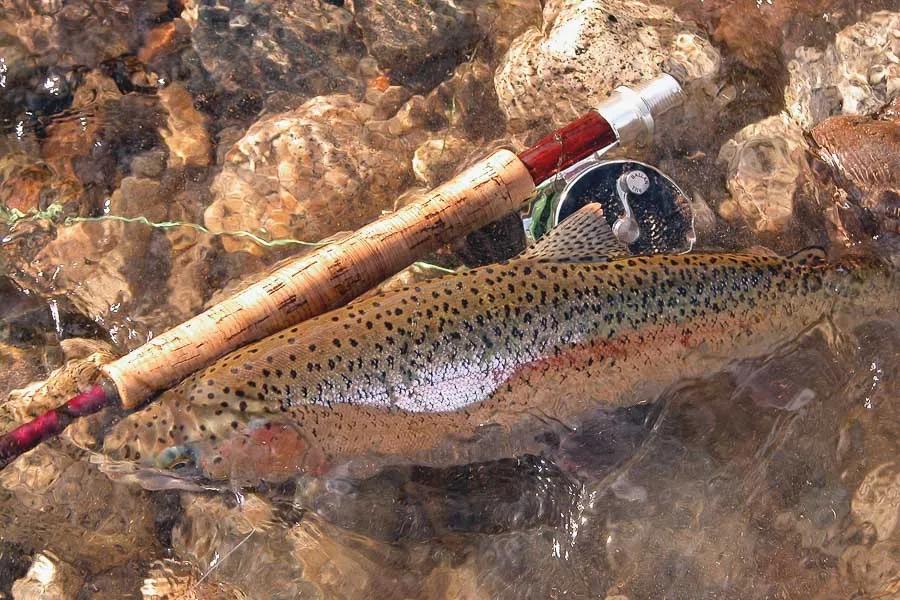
{"x": 479, "y": 365}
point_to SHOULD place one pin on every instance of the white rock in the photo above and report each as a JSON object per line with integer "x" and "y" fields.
{"x": 857, "y": 74}
{"x": 763, "y": 163}
{"x": 877, "y": 500}
{"x": 309, "y": 172}
{"x": 49, "y": 578}
{"x": 589, "y": 47}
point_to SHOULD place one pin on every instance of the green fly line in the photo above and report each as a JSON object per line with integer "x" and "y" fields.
{"x": 53, "y": 213}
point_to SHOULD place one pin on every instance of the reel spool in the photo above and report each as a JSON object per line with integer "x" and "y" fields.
{"x": 645, "y": 209}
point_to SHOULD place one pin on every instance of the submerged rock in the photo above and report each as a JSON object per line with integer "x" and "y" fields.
{"x": 503, "y": 21}
{"x": 857, "y": 74}
{"x": 80, "y": 32}
{"x": 48, "y": 578}
{"x": 877, "y": 500}
{"x": 435, "y": 160}
{"x": 185, "y": 132}
{"x": 467, "y": 103}
{"x": 174, "y": 580}
{"x": 763, "y": 162}
{"x": 416, "y": 40}
{"x": 588, "y": 48}
{"x": 85, "y": 266}
{"x": 29, "y": 184}
{"x": 311, "y": 172}
{"x": 261, "y": 48}
{"x": 105, "y": 130}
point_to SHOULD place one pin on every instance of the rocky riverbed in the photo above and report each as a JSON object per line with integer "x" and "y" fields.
{"x": 153, "y": 154}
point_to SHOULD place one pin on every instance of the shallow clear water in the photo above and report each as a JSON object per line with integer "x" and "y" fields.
{"x": 778, "y": 478}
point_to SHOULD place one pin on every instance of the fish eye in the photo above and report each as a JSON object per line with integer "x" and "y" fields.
{"x": 176, "y": 457}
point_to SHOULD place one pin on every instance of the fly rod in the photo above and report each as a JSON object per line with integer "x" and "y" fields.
{"x": 335, "y": 274}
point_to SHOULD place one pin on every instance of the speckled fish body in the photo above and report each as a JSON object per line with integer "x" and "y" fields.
{"x": 474, "y": 366}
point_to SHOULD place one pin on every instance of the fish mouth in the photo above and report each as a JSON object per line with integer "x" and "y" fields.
{"x": 261, "y": 452}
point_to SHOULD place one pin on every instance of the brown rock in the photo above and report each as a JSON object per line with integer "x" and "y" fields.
{"x": 29, "y": 184}
{"x": 856, "y": 74}
{"x": 310, "y": 172}
{"x": 49, "y": 578}
{"x": 185, "y": 133}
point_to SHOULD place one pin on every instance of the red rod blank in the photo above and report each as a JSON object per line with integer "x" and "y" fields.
{"x": 51, "y": 423}
{"x": 567, "y": 145}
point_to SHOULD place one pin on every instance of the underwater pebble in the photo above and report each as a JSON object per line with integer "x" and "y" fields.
{"x": 174, "y": 580}
{"x": 872, "y": 571}
{"x": 150, "y": 164}
{"x": 31, "y": 184}
{"x": 47, "y": 485}
{"x": 435, "y": 160}
{"x": 185, "y": 132}
{"x": 48, "y": 578}
{"x": 862, "y": 155}
{"x": 503, "y": 20}
{"x": 416, "y": 40}
{"x": 310, "y": 172}
{"x": 88, "y": 262}
{"x": 763, "y": 163}
{"x": 588, "y": 48}
{"x": 877, "y": 499}
{"x": 467, "y": 103}
{"x": 82, "y": 32}
{"x": 260, "y": 48}
{"x": 857, "y": 74}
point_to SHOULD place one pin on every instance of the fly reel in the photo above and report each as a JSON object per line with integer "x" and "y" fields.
{"x": 645, "y": 209}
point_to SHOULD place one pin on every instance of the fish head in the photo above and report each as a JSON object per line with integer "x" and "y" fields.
{"x": 246, "y": 449}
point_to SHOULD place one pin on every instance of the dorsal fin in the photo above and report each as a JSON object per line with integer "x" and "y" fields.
{"x": 584, "y": 236}
{"x": 809, "y": 256}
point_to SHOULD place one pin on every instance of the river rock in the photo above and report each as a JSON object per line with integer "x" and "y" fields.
{"x": 262, "y": 48}
{"x": 176, "y": 580}
{"x": 244, "y": 528}
{"x": 467, "y": 103}
{"x": 185, "y": 132}
{"x": 48, "y": 578}
{"x": 416, "y": 40}
{"x": 311, "y": 172}
{"x": 763, "y": 162}
{"x": 857, "y": 74}
{"x": 587, "y": 48}
{"x": 47, "y": 486}
{"x": 877, "y": 500}
{"x": 99, "y": 147}
{"x": 503, "y": 21}
{"x": 80, "y": 32}
{"x": 436, "y": 159}
{"x": 29, "y": 184}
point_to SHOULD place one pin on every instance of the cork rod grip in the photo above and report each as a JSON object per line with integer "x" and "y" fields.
{"x": 327, "y": 277}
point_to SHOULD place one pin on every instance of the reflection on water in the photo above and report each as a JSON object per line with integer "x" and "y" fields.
{"x": 779, "y": 478}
